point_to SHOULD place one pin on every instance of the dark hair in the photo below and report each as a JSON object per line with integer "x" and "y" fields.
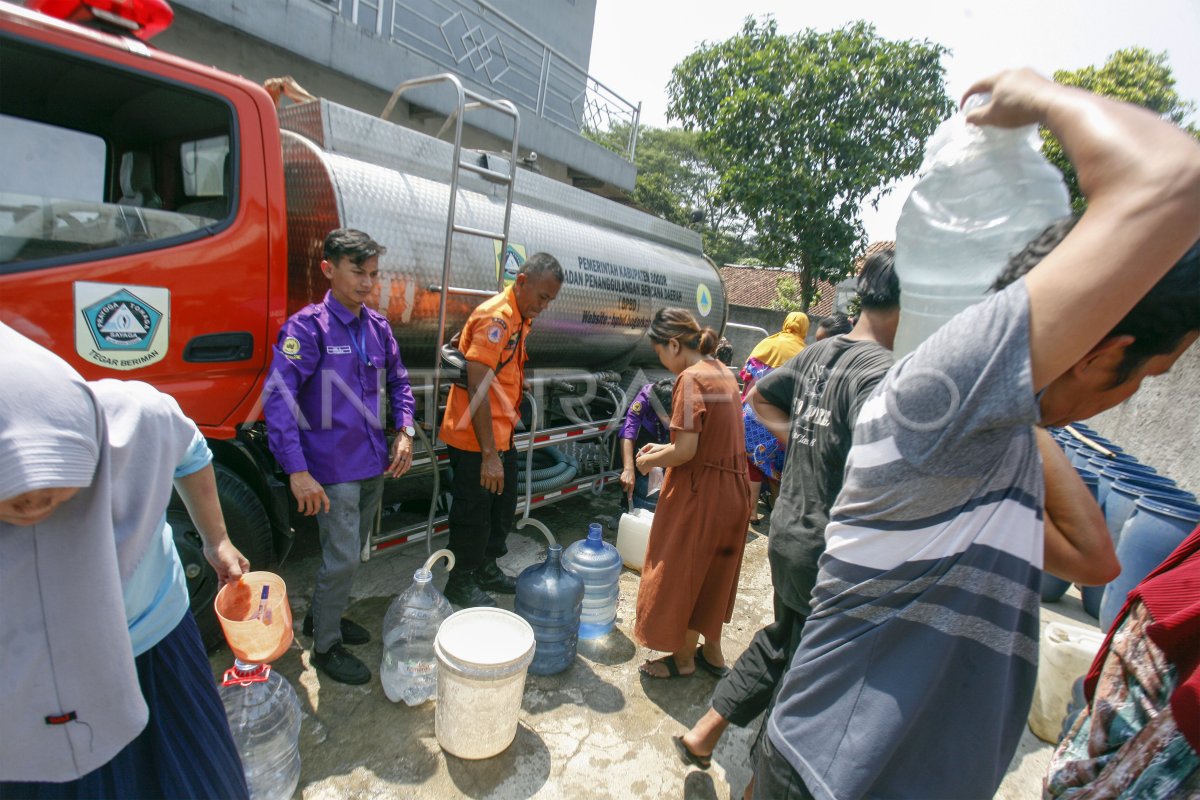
{"x": 678, "y": 323}
{"x": 835, "y": 324}
{"x": 352, "y": 244}
{"x": 1159, "y": 321}
{"x": 541, "y": 263}
{"x": 725, "y": 351}
{"x": 878, "y": 286}
{"x": 662, "y": 394}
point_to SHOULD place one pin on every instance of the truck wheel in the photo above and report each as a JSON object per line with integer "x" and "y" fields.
{"x": 245, "y": 518}
{"x": 201, "y": 577}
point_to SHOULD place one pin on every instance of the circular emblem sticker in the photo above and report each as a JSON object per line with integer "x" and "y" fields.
{"x": 291, "y": 346}
{"x": 703, "y": 300}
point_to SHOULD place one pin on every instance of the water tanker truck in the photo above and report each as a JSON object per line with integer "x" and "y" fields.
{"x": 159, "y": 220}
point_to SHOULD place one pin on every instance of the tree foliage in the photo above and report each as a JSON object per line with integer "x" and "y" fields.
{"x": 788, "y": 295}
{"x": 806, "y": 127}
{"x": 675, "y": 178}
{"x": 1134, "y": 75}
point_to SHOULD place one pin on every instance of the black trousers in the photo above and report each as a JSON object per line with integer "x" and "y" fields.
{"x": 750, "y": 686}
{"x": 479, "y": 520}
{"x": 774, "y": 778}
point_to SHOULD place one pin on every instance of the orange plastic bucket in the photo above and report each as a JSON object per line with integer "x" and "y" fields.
{"x": 254, "y": 636}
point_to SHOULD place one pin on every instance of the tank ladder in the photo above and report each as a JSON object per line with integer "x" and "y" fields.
{"x": 466, "y": 100}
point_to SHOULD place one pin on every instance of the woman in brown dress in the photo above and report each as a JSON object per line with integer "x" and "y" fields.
{"x": 689, "y": 580}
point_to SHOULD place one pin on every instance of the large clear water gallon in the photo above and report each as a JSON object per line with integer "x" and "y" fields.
{"x": 409, "y": 668}
{"x": 983, "y": 194}
{"x": 264, "y": 717}
{"x": 598, "y": 565}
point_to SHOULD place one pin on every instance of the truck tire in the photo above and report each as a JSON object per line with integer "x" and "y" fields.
{"x": 245, "y": 518}
{"x": 201, "y": 577}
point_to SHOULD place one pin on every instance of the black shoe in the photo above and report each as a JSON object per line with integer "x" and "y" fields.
{"x": 341, "y": 665}
{"x": 352, "y": 632}
{"x": 464, "y": 592}
{"x": 494, "y": 579}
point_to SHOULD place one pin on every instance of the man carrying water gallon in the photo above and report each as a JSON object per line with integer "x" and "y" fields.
{"x": 916, "y": 671}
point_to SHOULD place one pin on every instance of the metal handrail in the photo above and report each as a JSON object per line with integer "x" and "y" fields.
{"x": 742, "y": 327}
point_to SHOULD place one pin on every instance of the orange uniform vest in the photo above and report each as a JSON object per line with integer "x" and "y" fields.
{"x": 494, "y": 335}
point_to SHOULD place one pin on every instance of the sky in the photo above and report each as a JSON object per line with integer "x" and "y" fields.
{"x": 635, "y": 43}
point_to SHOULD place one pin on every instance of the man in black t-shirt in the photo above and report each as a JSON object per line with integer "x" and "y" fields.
{"x": 811, "y": 403}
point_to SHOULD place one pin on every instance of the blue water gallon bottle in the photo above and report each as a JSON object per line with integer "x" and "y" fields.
{"x": 550, "y": 599}
{"x": 598, "y": 565}
{"x": 264, "y": 718}
{"x": 1155, "y": 529}
{"x": 408, "y": 671}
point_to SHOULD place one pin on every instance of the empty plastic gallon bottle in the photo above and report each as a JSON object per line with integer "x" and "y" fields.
{"x": 984, "y": 192}
{"x": 550, "y": 599}
{"x": 409, "y": 668}
{"x": 598, "y": 565}
{"x": 264, "y": 717}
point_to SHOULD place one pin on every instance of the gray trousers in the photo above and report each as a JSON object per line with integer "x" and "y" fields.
{"x": 344, "y": 529}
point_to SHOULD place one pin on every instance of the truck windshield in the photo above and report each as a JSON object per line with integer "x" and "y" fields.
{"x": 99, "y": 159}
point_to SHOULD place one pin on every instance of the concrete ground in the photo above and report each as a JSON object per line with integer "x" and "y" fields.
{"x": 598, "y": 730}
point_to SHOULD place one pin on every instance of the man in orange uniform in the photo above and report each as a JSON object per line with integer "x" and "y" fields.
{"x": 478, "y": 431}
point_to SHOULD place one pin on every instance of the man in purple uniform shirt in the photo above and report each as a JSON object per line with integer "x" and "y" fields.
{"x": 325, "y": 424}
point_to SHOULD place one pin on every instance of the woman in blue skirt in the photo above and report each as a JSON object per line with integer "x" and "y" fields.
{"x": 108, "y": 693}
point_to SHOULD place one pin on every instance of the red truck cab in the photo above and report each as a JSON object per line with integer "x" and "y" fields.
{"x": 143, "y": 236}
{"x": 142, "y": 220}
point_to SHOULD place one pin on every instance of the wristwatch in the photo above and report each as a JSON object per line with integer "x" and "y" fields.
{"x": 409, "y": 430}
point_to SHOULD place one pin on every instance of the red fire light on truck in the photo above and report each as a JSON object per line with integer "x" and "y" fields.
{"x": 142, "y": 18}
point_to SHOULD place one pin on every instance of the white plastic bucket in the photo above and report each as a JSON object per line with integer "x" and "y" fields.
{"x": 483, "y": 655}
{"x": 1065, "y": 655}
{"x": 633, "y": 537}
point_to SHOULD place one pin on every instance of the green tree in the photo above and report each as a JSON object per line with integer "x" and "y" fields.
{"x": 788, "y": 295}
{"x": 1134, "y": 75}
{"x": 806, "y": 127}
{"x": 674, "y": 179}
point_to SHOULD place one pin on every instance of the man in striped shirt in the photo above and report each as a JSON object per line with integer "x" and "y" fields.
{"x": 917, "y": 665}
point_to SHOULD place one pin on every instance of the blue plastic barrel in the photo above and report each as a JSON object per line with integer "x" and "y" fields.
{"x": 1156, "y": 528}
{"x": 1133, "y": 476}
{"x": 550, "y": 599}
{"x": 598, "y": 565}
{"x": 1123, "y": 495}
{"x": 1099, "y": 462}
{"x": 1080, "y": 453}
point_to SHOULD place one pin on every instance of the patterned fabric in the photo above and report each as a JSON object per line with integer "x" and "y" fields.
{"x": 763, "y": 450}
{"x": 1129, "y": 745}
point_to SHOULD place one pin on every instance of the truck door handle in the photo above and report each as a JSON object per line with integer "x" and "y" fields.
{"x": 214, "y": 347}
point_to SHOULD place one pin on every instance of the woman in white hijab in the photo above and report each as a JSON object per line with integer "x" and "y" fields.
{"x": 107, "y": 689}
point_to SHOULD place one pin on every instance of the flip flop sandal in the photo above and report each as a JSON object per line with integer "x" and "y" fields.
{"x": 708, "y": 666}
{"x": 669, "y": 663}
{"x": 688, "y": 757}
